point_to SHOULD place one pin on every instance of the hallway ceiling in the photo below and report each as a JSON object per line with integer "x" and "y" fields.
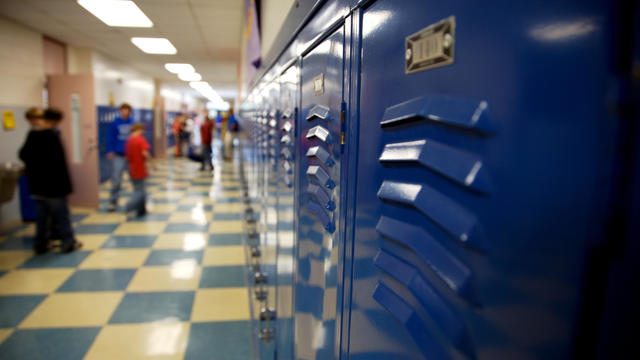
{"x": 207, "y": 34}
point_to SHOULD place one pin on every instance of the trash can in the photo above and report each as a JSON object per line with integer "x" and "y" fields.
{"x": 27, "y": 203}
{"x": 9, "y": 175}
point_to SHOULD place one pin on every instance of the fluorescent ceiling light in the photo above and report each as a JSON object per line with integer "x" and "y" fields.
{"x": 193, "y": 76}
{"x": 179, "y": 68}
{"x": 207, "y": 91}
{"x": 154, "y": 45}
{"x": 117, "y": 12}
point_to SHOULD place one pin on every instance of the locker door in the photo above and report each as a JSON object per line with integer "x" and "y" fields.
{"x": 318, "y": 194}
{"x": 482, "y": 182}
{"x": 286, "y": 237}
{"x": 268, "y": 217}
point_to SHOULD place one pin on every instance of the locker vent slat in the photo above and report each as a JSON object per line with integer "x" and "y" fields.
{"x": 437, "y": 307}
{"x": 459, "y": 166}
{"x": 405, "y": 314}
{"x": 451, "y": 111}
{"x": 457, "y": 221}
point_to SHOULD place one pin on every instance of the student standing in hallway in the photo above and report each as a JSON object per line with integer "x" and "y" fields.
{"x": 49, "y": 181}
{"x": 116, "y": 139}
{"x": 137, "y": 152}
{"x": 206, "y": 135}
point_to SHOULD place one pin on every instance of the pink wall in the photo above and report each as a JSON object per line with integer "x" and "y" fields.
{"x": 55, "y": 57}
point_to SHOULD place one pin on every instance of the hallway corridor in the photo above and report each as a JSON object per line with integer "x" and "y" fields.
{"x": 170, "y": 285}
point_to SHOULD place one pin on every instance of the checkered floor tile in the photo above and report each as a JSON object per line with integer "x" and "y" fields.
{"x": 170, "y": 285}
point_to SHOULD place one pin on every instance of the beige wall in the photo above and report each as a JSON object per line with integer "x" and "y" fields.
{"x": 21, "y": 66}
{"x": 123, "y": 81}
{"x": 22, "y": 74}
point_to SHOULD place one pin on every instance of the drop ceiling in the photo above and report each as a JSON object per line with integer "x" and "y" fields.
{"x": 207, "y": 34}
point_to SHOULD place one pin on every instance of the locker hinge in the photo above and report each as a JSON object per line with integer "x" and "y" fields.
{"x": 343, "y": 107}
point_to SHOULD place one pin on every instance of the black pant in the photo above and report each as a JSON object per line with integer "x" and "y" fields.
{"x": 52, "y": 212}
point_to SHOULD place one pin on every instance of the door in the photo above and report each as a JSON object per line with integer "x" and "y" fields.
{"x": 159, "y": 129}
{"x": 74, "y": 96}
{"x": 318, "y": 196}
{"x": 288, "y": 100}
{"x": 482, "y": 183}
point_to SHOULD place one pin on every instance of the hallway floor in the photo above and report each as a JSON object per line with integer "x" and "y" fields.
{"x": 171, "y": 285}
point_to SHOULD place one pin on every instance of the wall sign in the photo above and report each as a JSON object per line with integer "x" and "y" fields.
{"x": 318, "y": 85}
{"x": 8, "y": 120}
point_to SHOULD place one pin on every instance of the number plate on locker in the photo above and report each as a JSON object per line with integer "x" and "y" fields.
{"x": 431, "y": 47}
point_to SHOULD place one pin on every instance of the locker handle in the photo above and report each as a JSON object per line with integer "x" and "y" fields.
{"x": 318, "y": 112}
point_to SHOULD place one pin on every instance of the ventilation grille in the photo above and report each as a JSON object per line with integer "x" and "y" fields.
{"x": 321, "y": 162}
{"x": 468, "y": 171}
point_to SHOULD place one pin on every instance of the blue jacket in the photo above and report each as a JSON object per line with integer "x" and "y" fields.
{"x": 118, "y": 135}
{"x": 232, "y": 120}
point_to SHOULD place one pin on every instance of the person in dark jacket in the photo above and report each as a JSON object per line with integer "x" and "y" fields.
{"x": 49, "y": 181}
{"x": 117, "y": 136}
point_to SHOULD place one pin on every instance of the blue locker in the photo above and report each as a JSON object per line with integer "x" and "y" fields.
{"x": 106, "y": 115}
{"x": 481, "y": 184}
{"x": 319, "y": 157}
{"x": 443, "y": 180}
{"x": 285, "y": 251}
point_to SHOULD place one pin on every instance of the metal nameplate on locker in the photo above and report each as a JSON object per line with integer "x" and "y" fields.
{"x": 431, "y": 47}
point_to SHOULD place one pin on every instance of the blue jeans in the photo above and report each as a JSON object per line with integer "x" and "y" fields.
{"x": 54, "y": 213}
{"x": 118, "y": 167}
{"x": 206, "y": 157}
{"x": 139, "y": 199}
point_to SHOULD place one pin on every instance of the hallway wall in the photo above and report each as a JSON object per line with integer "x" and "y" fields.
{"x": 22, "y": 74}
{"x": 124, "y": 82}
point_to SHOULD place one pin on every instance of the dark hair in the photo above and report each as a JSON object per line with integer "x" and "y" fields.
{"x": 52, "y": 114}
{"x": 125, "y": 106}
{"x": 33, "y": 113}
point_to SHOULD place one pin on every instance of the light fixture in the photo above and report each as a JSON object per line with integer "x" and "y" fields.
{"x": 175, "y": 68}
{"x": 123, "y": 13}
{"x": 207, "y": 91}
{"x": 192, "y": 76}
{"x": 154, "y": 45}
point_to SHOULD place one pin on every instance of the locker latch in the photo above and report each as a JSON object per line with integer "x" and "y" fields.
{"x": 342, "y": 125}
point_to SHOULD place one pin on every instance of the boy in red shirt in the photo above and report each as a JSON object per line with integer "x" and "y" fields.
{"x": 206, "y": 134}
{"x": 137, "y": 152}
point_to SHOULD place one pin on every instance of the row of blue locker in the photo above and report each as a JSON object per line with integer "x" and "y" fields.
{"x": 446, "y": 180}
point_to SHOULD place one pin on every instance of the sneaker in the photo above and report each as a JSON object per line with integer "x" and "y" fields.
{"x": 75, "y": 245}
{"x": 39, "y": 250}
{"x": 111, "y": 207}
